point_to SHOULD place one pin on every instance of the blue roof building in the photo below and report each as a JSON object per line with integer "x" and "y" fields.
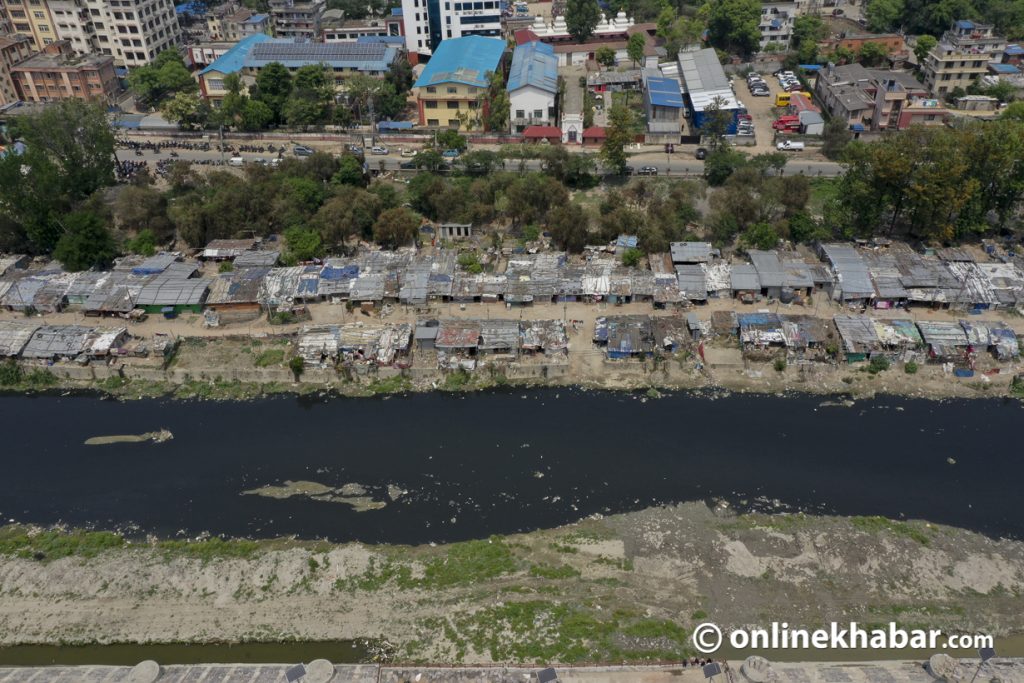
{"x": 534, "y": 64}
{"x": 663, "y": 100}
{"x": 463, "y": 60}
{"x": 233, "y": 60}
{"x": 532, "y": 86}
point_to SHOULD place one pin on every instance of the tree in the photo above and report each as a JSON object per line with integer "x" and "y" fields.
{"x": 69, "y": 155}
{"x": 452, "y": 139}
{"x": 568, "y": 226}
{"x": 618, "y": 135}
{"x": 302, "y": 245}
{"x": 272, "y": 88}
{"x": 144, "y": 243}
{"x": 297, "y": 364}
{"x": 923, "y": 46}
{"x": 808, "y": 31}
{"x": 1003, "y": 91}
{"x": 1013, "y": 112}
{"x": 884, "y": 15}
{"x": 581, "y": 18}
{"x": 429, "y": 159}
{"x": 233, "y": 104}
{"x": 495, "y": 103}
{"x": 311, "y": 96}
{"x": 835, "y": 138}
{"x": 256, "y": 115}
{"x": 188, "y": 110}
{"x": 142, "y": 209}
{"x": 86, "y": 243}
{"x": 605, "y": 56}
{"x": 350, "y": 213}
{"x": 396, "y": 227}
{"x": 635, "y": 48}
{"x": 678, "y": 32}
{"x": 350, "y": 172}
{"x": 716, "y": 123}
{"x": 872, "y": 54}
{"x": 631, "y": 257}
{"x": 760, "y": 236}
{"x": 164, "y": 76}
{"x": 720, "y": 164}
{"x": 400, "y": 76}
{"x": 733, "y": 25}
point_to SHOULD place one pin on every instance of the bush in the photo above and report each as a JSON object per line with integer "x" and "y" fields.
{"x": 910, "y": 368}
{"x": 878, "y": 364}
{"x": 470, "y": 263}
{"x": 631, "y": 257}
{"x": 225, "y": 267}
{"x": 10, "y": 373}
{"x": 780, "y": 364}
{"x": 297, "y": 365}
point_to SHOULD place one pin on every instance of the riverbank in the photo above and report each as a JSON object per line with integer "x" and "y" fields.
{"x": 230, "y": 368}
{"x": 621, "y": 588}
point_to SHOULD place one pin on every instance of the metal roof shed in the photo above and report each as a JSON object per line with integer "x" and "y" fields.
{"x": 182, "y": 295}
{"x": 692, "y": 281}
{"x": 857, "y": 332}
{"x": 57, "y": 341}
{"x": 691, "y": 252}
{"x": 943, "y": 338}
{"x": 14, "y": 335}
{"x": 499, "y": 335}
{"x": 743, "y": 278}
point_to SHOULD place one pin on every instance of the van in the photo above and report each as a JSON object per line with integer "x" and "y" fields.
{"x": 236, "y": 161}
{"x": 783, "y": 98}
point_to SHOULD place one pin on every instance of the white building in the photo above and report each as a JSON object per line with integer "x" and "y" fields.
{"x": 132, "y": 33}
{"x": 532, "y": 86}
{"x": 776, "y": 23}
{"x": 428, "y": 22}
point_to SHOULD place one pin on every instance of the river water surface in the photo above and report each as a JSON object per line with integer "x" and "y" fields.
{"x": 501, "y": 462}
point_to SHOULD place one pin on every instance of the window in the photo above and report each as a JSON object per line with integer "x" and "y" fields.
{"x": 453, "y": 105}
{"x": 432, "y": 122}
{"x": 538, "y": 113}
{"x": 430, "y": 104}
{"x": 39, "y": 15}
{"x": 215, "y": 83}
{"x": 520, "y": 114}
{"x": 452, "y": 90}
{"x": 22, "y": 27}
{"x": 17, "y": 14}
{"x": 431, "y": 89}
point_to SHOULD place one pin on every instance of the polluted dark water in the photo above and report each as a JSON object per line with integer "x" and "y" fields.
{"x": 466, "y": 466}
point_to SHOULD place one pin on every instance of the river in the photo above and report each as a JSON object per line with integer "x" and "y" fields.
{"x": 503, "y": 461}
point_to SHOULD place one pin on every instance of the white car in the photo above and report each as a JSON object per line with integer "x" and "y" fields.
{"x": 789, "y": 146}
{"x": 408, "y": 153}
{"x": 378, "y": 150}
{"x": 236, "y": 161}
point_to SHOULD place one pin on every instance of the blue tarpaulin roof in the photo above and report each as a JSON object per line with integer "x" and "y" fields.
{"x": 857, "y": 127}
{"x": 386, "y": 40}
{"x": 810, "y": 67}
{"x": 394, "y": 125}
{"x": 189, "y": 8}
{"x": 463, "y": 60}
{"x": 1004, "y": 68}
{"x": 664, "y": 92}
{"x": 964, "y": 24}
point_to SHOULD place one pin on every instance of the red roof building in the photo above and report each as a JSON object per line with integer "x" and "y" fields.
{"x": 525, "y": 35}
{"x": 552, "y": 134}
{"x": 594, "y": 135}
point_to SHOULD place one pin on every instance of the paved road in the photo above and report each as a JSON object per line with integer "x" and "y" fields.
{"x": 677, "y": 165}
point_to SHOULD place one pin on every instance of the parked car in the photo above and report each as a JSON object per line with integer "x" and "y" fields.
{"x": 378, "y": 149}
{"x": 627, "y": 170}
{"x": 450, "y": 154}
{"x": 275, "y": 162}
{"x": 760, "y": 92}
{"x": 407, "y": 166}
{"x": 702, "y": 153}
{"x": 236, "y": 161}
{"x": 647, "y": 170}
{"x": 408, "y": 152}
{"x": 789, "y": 146}
{"x": 355, "y": 149}
{"x": 302, "y": 151}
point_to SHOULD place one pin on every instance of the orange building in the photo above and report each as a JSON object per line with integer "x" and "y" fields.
{"x": 13, "y": 49}
{"x": 58, "y": 74}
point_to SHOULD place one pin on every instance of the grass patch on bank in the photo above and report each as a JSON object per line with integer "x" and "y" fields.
{"x": 49, "y": 545}
{"x": 881, "y": 524}
{"x": 396, "y": 384}
{"x": 540, "y": 632}
{"x": 269, "y": 357}
{"x": 211, "y": 549}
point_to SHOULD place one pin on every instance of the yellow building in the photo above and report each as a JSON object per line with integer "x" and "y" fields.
{"x": 961, "y": 57}
{"x": 450, "y": 87}
{"x": 32, "y": 18}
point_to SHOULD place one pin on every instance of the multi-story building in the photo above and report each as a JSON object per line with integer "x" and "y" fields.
{"x": 59, "y": 74}
{"x": 335, "y": 28}
{"x": 297, "y": 18}
{"x": 532, "y": 86}
{"x": 133, "y": 32}
{"x": 449, "y": 89}
{"x": 13, "y": 49}
{"x": 428, "y": 22}
{"x": 776, "y": 23}
{"x": 961, "y": 57}
{"x": 31, "y": 18}
{"x": 242, "y": 23}
{"x": 231, "y": 61}
{"x": 876, "y": 99}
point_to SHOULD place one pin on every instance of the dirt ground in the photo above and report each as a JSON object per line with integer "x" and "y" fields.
{"x": 626, "y": 587}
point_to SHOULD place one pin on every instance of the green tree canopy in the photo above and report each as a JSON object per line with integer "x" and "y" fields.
{"x": 635, "y": 48}
{"x": 733, "y": 25}
{"x": 396, "y": 227}
{"x": 85, "y": 243}
{"x": 923, "y": 46}
{"x": 872, "y": 54}
{"x": 273, "y": 87}
{"x": 808, "y": 31}
{"x": 618, "y": 135}
{"x": 161, "y": 78}
{"x": 581, "y": 18}
{"x": 605, "y": 56}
